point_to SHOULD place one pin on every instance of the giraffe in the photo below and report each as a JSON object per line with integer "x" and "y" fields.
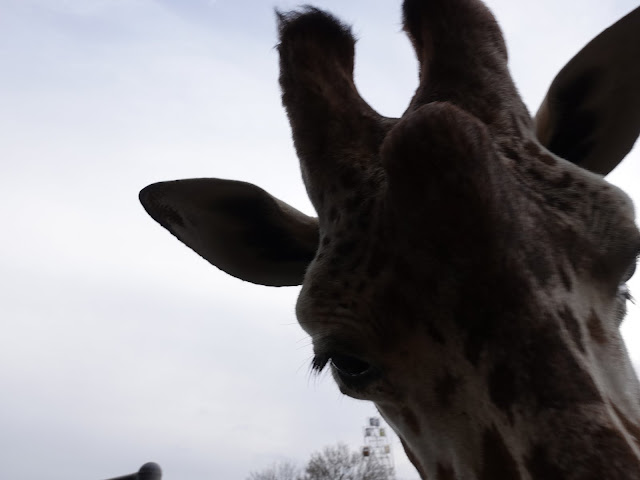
{"x": 466, "y": 272}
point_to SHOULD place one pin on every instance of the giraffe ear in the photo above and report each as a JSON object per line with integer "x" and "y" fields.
{"x": 591, "y": 114}
{"x": 237, "y": 227}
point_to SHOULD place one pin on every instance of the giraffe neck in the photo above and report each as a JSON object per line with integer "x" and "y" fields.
{"x": 554, "y": 418}
{"x": 572, "y": 444}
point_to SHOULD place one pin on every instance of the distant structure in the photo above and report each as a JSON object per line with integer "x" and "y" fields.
{"x": 377, "y": 444}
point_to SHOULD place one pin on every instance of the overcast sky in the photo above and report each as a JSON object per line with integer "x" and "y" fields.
{"x": 118, "y": 345}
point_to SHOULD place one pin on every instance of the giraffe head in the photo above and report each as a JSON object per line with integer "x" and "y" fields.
{"x": 466, "y": 271}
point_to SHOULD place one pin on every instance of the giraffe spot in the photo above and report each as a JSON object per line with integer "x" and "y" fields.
{"x": 535, "y": 174}
{"x": 435, "y": 334}
{"x": 497, "y": 460}
{"x": 333, "y": 214}
{"x": 532, "y": 371}
{"x": 403, "y": 268}
{"x": 565, "y": 278}
{"x": 445, "y": 472}
{"x": 354, "y": 261}
{"x": 510, "y": 153}
{"x": 351, "y": 204}
{"x": 363, "y": 220}
{"x": 632, "y": 429}
{"x": 578, "y": 251}
{"x": 572, "y": 325}
{"x": 372, "y": 186}
{"x": 596, "y": 329}
{"x": 609, "y": 444}
{"x": 346, "y": 248}
{"x": 473, "y": 347}
{"x": 502, "y": 387}
{"x": 541, "y": 269}
{"x": 484, "y": 313}
{"x": 540, "y": 465}
{"x": 548, "y": 363}
{"x": 349, "y": 179}
{"x": 377, "y": 261}
{"x": 410, "y": 420}
{"x": 514, "y": 122}
{"x": 564, "y": 181}
{"x": 445, "y": 389}
{"x": 561, "y": 203}
{"x": 590, "y": 454}
{"x": 532, "y": 148}
{"x": 547, "y": 159}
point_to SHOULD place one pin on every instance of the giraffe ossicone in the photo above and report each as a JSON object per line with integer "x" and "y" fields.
{"x": 466, "y": 269}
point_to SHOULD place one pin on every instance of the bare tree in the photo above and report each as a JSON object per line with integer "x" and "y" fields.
{"x": 339, "y": 463}
{"x": 332, "y": 463}
{"x": 278, "y": 471}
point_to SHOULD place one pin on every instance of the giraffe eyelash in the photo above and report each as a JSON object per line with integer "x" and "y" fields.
{"x": 628, "y": 297}
{"x": 318, "y": 363}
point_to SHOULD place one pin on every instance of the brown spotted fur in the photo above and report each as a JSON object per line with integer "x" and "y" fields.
{"x": 438, "y": 199}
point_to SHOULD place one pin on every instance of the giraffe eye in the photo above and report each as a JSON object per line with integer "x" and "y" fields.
{"x": 353, "y": 374}
{"x": 630, "y": 272}
{"x": 349, "y": 366}
{"x": 623, "y": 288}
{"x": 625, "y": 293}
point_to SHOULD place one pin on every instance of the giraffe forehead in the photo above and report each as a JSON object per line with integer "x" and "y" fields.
{"x": 529, "y": 221}
{"x": 530, "y": 189}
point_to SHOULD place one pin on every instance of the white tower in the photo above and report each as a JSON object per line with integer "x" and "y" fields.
{"x": 378, "y": 444}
